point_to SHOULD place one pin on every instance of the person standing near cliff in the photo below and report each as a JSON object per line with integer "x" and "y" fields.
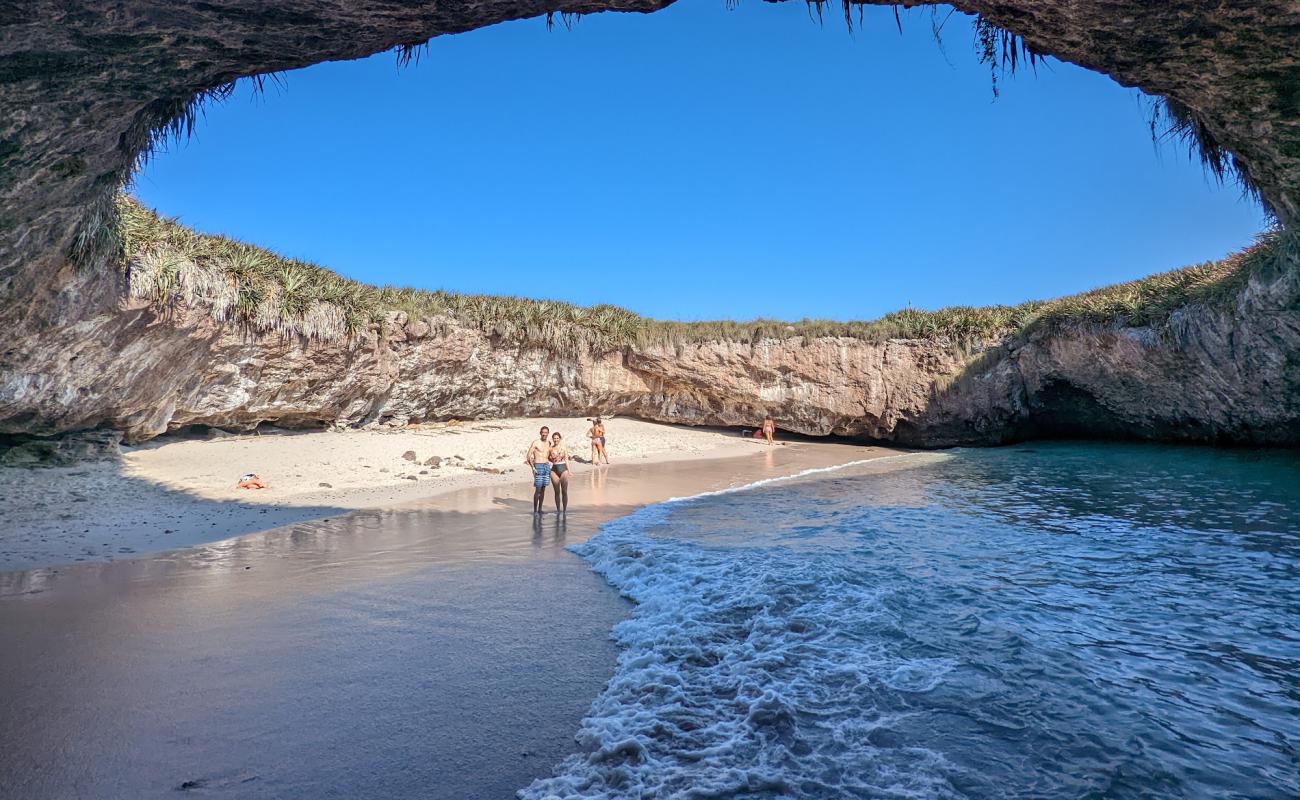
{"x": 596, "y": 433}
{"x": 540, "y": 463}
{"x": 769, "y": 429}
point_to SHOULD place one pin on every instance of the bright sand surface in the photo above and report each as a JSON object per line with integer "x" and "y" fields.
{"x": 446, "y": 648}
{"x": 174, "y": 493}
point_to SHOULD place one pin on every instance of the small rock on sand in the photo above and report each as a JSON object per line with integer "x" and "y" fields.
{"x": 409, "y": 455}
{"x": 324, "y": 485}
{"x": 433, "y": 461}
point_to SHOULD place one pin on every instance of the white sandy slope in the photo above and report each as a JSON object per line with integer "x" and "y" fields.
{"x": 173, "y": 493}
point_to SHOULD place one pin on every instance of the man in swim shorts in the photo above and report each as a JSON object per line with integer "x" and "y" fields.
{"x": 540, "y": 464}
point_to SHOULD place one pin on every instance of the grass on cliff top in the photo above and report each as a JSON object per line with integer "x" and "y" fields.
{"x": 169, "y": 264}
{"x": 1152, "y": 300}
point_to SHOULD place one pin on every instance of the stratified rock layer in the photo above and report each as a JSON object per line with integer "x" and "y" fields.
{"x": 1211, "y": 374}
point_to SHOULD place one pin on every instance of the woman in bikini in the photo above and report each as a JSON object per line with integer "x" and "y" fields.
{"x": 559, "y": 458}
{"x": 597, "y": 435}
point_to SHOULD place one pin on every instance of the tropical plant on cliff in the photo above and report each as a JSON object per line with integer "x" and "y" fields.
{"x": 1152, "y": 300}
{"x": 174, "y": 267}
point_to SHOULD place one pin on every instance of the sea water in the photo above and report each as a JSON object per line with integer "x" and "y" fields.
{"x": 1053, "y": 620}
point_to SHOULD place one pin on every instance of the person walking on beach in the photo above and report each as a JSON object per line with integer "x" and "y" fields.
{"x": 541, "y": 465}
{"x": 558, "y": 455}
{"x": 769, "y": 429}
{"x": 596, "y": 433}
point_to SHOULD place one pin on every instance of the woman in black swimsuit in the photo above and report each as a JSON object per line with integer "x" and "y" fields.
{"x": 559, "y": 458}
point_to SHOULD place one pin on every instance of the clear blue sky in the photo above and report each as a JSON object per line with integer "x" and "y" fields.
{"x": 703, "y": 163}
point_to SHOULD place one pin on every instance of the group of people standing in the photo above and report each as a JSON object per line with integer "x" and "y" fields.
{"x": 549, "y": 459}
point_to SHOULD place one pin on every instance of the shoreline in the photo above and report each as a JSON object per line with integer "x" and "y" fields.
{"x": 491, "y": 507}
{"x": 457, "y": 628}
{"x": 174, "y": 492}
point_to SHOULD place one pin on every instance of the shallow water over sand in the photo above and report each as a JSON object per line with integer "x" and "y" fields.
{"x": 1056, "y": 620}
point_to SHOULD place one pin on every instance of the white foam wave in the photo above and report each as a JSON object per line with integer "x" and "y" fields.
{"x": 745, "y": 672}
{"x": 801, "y": 474}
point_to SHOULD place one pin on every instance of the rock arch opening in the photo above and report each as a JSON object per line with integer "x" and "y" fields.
{"x": 97, "y": 87}
{"x": 504, "y": 164}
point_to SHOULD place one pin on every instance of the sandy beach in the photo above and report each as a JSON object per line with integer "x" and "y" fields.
{"x": 173, "y": 492}
{"x": 445, "y": 647}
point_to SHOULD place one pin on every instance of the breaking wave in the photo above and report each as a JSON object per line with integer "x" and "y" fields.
{"x": 744, "y": 673}
{"x": 1048, "y": 621}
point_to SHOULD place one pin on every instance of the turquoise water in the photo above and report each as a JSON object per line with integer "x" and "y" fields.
{"x": 1055, "y": 620}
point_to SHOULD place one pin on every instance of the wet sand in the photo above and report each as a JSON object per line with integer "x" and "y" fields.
{"x": 446, "y": 649}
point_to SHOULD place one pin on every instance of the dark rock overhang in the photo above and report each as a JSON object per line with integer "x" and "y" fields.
{"x": 86, "y": 88}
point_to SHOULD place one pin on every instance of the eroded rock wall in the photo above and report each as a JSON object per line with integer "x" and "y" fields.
{"x": 1224, "y": 374}
{"x": 86, "y": 86}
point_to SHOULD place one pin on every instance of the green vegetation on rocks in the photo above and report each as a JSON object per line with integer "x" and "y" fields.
{"x": 1151, "y": 300}
{"x": 171, "y": 265}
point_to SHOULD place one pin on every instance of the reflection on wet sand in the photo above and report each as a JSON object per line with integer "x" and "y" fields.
{"x": 440, "y": 651}
{"x": 556, "y": 527}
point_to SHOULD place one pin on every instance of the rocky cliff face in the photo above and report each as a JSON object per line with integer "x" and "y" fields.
{"x": 87, "y": 87}
{"x": 1222, "y": 373}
